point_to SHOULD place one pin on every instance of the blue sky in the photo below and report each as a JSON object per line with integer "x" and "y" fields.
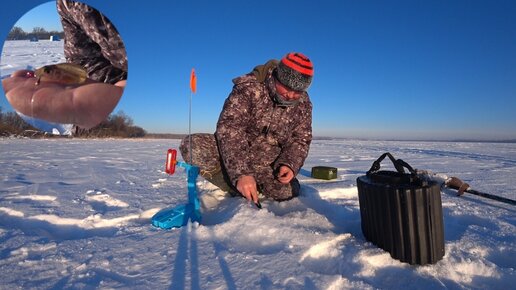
{"x": 383, "y": 69}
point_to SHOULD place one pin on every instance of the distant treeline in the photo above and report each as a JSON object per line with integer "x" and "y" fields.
{"x": 116, "y": 125}
{"x": 17, "y": 33}
{"x": 12, "y": 124}
{"x": 164, "y": 136}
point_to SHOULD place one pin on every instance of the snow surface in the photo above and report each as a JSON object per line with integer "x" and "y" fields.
{"x": 75, "y": 214}
{"x": 18, "y": 54}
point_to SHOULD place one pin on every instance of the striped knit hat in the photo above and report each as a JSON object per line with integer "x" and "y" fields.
{"x": 295, "y": 71}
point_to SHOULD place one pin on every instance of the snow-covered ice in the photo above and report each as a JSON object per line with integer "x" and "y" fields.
{"x": 76, "y": 214}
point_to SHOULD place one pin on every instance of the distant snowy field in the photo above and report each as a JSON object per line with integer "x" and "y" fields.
{"x": 75, "y": 214}
{"x": 18, "y": 54}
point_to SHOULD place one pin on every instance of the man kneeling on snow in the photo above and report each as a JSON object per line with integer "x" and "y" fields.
{"x": 263, "y": 132}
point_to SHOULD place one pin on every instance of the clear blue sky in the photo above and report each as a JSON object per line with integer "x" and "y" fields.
{"x": 383, "y": 69}
{"x": 43, "y": 15}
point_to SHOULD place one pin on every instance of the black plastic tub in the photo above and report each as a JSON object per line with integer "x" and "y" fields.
{"x": 401, "y": 213}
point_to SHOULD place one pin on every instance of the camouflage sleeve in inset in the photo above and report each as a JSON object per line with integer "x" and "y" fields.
{"x": 295, "y": 151}
{"x": 232, "y": 137}
{"x": 92, "y": 41}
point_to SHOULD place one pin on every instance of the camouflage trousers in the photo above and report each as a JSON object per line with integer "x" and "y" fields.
{"x": 206, "y": 156}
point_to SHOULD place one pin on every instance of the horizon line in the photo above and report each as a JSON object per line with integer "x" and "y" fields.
{"x": 470, "y": 140}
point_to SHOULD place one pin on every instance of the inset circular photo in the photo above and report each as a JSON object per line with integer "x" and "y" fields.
{"x": 63, "y": 67}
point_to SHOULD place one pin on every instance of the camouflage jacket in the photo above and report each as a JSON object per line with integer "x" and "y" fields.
{"x": 92, "y": 42}
{"x": 254, "y": 131}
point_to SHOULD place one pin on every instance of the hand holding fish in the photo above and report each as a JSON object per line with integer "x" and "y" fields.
{"x": 62, "y": 95}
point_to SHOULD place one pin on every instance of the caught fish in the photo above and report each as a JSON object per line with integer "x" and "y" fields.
{"x": 63, "y": 73}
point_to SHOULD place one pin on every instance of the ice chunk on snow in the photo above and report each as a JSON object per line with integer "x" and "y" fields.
{"x": 325, "y": 249}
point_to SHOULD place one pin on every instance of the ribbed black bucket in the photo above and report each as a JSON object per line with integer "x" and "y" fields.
{"x": 402, "y": 213}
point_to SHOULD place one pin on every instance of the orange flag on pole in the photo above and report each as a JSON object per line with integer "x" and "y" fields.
{"x": 193, "y": 81}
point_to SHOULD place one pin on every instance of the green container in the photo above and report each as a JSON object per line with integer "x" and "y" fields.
{"x": 324, "y": 172}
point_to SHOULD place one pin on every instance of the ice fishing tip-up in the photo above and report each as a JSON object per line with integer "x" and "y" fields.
{"x": 180, "y": 215}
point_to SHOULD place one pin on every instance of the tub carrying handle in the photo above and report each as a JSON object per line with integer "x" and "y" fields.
{"x": 398, "y": 164}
